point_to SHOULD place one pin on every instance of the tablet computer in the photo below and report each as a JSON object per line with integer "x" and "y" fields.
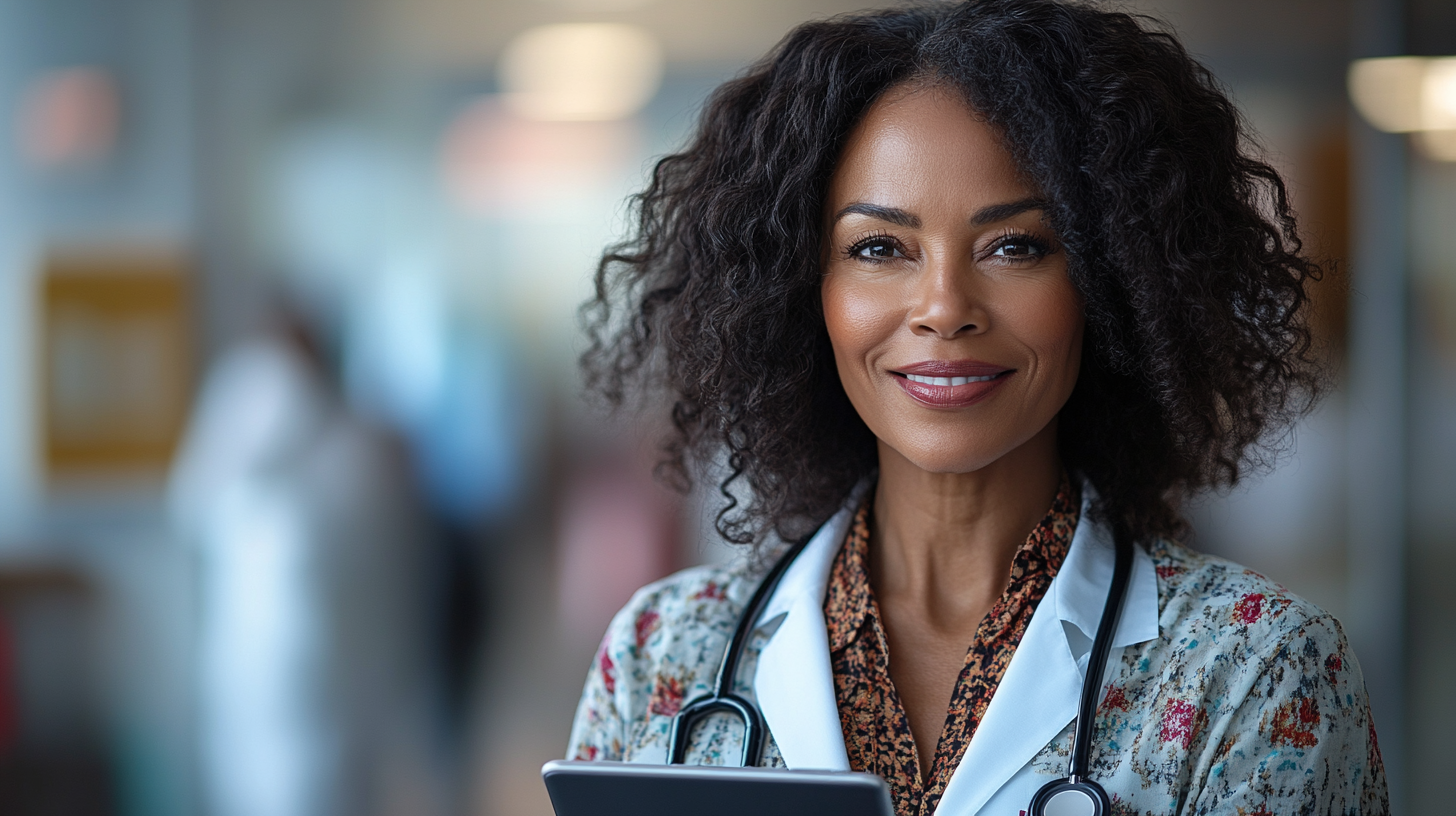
{"x": 628, "y": 789}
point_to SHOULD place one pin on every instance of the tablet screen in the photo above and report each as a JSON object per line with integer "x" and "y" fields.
{"x": 627, "y": 789}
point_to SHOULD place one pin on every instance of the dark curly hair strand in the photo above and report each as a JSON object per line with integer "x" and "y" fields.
{"x": 1180, "y": 240}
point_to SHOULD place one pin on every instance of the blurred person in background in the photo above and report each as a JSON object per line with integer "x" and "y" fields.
{"x": 965, "y": 294}
{"x": 315, "y": 692}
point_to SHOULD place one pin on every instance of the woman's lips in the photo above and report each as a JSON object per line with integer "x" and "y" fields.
{"x": 951, "y": 384}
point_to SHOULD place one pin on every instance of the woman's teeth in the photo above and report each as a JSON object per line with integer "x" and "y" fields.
{"x": 948, "y": 380}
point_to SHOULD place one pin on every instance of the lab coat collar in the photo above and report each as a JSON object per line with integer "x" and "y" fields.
{"x": 1037, "y": 696}
{"x": 1036, "y": 699}
{"x": 1080, "y": 588}
{"x": 794, "y": 683}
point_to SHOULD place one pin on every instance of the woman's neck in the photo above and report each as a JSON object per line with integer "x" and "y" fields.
{"x": 943, "y": 543}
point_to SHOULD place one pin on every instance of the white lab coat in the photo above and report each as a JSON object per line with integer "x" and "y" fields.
{"x": 1035, "y": 701}
{"x": 1224, "y": 693}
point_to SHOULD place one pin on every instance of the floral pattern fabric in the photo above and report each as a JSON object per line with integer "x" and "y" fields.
{"x": 1248, "y": 702}
{"x": 877, "y": 732}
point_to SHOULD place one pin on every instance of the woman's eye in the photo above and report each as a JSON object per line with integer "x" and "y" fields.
{"x": 876, "y": 249}
{"x": 1019, "y": 248}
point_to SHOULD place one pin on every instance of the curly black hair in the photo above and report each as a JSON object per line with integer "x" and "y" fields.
{"x": 1180, "y": 240}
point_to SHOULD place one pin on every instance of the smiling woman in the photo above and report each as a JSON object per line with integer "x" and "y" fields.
{"x": 923, "y": 272}
{"x": 957, "y": 336}
{"x": 974, "y": 296}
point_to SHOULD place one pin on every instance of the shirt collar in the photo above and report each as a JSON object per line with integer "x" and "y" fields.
{"x": 849, "y": 600}
{"x": 1078, "y": 593}
{"x": 1035, "y": 700}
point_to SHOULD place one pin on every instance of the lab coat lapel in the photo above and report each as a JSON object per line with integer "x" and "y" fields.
{"x": 1080, "y": 588}
{"x": 794, "y": 683}
{"x": 1034, "y": 701}
{"x": 1037, "y": 697}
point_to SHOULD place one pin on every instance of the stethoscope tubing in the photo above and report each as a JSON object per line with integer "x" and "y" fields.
{"x": 1077, "y": 793}
{"x": 1097, "y": 659}
{"x": 724, "y": 700}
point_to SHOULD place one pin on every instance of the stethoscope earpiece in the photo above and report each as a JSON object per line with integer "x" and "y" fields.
{"x": 1065, "y": 797}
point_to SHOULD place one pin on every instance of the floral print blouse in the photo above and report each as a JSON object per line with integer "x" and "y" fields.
{"x": 877, "y": 733}
{"x": 1249, "y": 701}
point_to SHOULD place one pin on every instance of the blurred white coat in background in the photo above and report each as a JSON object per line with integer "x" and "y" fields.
{"x": 312, "y": 658}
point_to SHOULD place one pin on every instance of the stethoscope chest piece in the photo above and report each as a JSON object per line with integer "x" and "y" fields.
{"x": 1066, "y": 797}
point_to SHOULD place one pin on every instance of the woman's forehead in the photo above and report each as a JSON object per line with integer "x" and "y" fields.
{"x": 923, "y": 147}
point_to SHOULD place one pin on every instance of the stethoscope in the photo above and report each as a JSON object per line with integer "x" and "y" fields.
{"x": 1074, "y": 795}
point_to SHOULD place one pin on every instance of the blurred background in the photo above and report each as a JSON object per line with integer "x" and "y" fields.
{"x": 301, "y": 509}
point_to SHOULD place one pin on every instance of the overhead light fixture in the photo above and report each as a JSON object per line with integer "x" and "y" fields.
{"x": 1409, "y": 95}
{"x": 580, "y": 72}
{"x": 1438, "y": 144}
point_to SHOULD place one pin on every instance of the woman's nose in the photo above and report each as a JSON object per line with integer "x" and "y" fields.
{"x": 946, "y": 303}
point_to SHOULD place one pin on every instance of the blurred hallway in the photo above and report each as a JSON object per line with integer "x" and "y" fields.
{"x": 390, "y": 189}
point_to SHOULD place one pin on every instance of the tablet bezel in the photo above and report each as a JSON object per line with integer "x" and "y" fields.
{"x": 873, "y": 786}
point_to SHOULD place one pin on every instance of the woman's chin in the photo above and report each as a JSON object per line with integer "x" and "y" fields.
{"x": 951, "y": 451}
{"x": 944, "y": 459}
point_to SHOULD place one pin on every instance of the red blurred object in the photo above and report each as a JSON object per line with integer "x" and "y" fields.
{"x": 495, "y": 163}
{"x": 69, "y": 117}
{"x": 619, "y": 530}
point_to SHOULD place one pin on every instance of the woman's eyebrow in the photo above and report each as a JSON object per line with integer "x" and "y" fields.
{"x": 901, "y": 218}
{"x": 894, "y": 215}
{"x": 1000, "y": 212}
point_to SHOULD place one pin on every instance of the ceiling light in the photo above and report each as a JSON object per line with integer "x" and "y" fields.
{"x": 1438, "y": 144}
{"x": 580, "y": 72}
{"x": 1387, "y": 92}
{"x": 1409, "y": 95}
{"x": 1438, "y": 95}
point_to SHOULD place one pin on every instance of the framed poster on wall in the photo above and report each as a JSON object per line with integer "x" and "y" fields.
{"x": 115, "y": 362}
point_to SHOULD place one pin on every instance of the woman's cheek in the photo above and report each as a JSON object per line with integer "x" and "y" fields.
{"x": 1053, "y": 325}
{"x": 859, "y": 318}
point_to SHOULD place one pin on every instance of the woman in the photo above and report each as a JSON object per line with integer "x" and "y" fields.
{"x": 961, "y": 293}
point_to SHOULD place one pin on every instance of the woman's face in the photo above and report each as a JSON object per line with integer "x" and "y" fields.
{"x": 956, "y": 331}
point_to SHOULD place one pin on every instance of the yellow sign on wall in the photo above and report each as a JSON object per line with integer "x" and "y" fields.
{"x": 116, "y": 360}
